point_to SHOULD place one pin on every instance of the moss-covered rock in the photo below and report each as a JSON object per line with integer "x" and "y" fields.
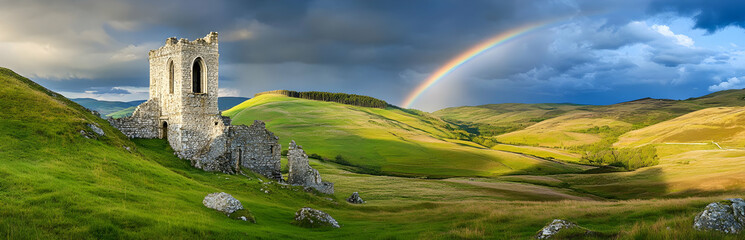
{"x": 311, "y": 218}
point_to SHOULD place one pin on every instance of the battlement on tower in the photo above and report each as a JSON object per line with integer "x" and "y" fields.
{"x": 207, "y": 41}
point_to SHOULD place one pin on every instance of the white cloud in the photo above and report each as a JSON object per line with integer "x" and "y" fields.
{"x": 680, "y": 38}
{"x": 228, "y": 92}
{"x": 732, "y": 83}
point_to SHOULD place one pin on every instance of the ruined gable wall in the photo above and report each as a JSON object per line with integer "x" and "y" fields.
{"x": 256, "y": 148}
{"x": 243, "y": 147}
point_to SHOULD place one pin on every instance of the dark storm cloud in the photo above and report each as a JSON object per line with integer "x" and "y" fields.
{"x": 708, "y": 15}
{"x": 382, "y": 48}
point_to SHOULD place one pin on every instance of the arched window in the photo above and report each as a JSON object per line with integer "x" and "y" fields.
{"x": 170, "y": 76}
{"x": 197, "y": 76}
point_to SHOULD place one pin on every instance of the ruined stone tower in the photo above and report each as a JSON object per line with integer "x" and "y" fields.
{"x": 183, "y": 109}
{"x": 183, "y": 83}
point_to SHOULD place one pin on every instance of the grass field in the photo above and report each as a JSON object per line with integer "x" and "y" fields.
{"x": 541, "y": 152}
{"x": 389, "y": 141}
{"x": 56, "y": 184}
{"x": 564, "y": 131}
{"x": 497, "y": 119}
{"x": 722, "y": 125}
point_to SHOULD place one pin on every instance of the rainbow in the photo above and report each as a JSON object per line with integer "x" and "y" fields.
{"x": 464, "y": 57}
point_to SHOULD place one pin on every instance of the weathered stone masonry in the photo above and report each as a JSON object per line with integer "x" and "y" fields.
{"x": 183, "y": 109}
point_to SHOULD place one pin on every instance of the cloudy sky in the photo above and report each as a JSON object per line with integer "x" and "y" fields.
{"x": 591, "y": 52}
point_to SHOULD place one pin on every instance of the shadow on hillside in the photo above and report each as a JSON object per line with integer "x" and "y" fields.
{"x": 640, "y": 184}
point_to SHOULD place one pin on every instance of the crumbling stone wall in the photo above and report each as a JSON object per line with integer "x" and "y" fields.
{"x": 143, "y": 123}
{"x": 243, "y": 147}
{"x": 301, "y": 173}
{"x": 256, "y": 148}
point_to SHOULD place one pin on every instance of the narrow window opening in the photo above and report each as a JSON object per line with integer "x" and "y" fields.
{"x": 170, "y": 76}
{"x": 197, "y": 76}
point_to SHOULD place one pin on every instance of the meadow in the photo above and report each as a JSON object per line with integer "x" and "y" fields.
{"x": 387, "y": 141}
{"x": 56, "y": 183}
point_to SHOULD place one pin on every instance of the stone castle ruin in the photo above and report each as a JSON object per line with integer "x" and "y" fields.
{"x": 183, "y": 109}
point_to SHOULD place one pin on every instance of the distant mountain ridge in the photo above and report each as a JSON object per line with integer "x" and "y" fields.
{"x": 105, "y": 107}
{"x": 117, "y": 109}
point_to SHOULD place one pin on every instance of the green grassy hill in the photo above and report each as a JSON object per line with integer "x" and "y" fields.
{"x": 723, "y": 125}
{"x": 122, "y": 113}
{"x": 57, "y": 184}
{"x": 564, "y": 131}
{"x": 385, "y": 141}
{"x": 496, "y": 119}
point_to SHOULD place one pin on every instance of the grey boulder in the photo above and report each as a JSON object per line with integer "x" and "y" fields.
{"x": 558, "y": 225}
{"x": 222, "y": 202}
{"x": 726, "y": 216}
{"x": 355, "y": 198}
{"x": 312, "y": 218}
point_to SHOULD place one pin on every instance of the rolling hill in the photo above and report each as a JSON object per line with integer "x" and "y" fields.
{"x": 56, "y": 183}
{"x": 564, "y": 131}
{"x": 388, "y": 141}
{"x": 497, "y": 119}
{"x": 723, "y": 125}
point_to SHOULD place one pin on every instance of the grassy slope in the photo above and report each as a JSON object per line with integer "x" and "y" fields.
{"x": 563, "y": 131}
{"x": 56, "y": 184}
{"x": 493, "y": 119}
{"x": 545, "y": 153}
{"x": 638, "y": 114}
{"x": 391, "y": 141}
{"x": 122, "y": 113}
{"x": 721, "y": 125}
{"x": 694, "y": 173}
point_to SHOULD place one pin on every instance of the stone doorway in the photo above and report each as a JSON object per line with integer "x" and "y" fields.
{"x": 164, "y": 131}
{"x": 238, "y": 160}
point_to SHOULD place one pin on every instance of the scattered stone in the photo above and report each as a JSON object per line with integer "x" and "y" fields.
{"x": 222, "y": 202}
{"x": 727, "y": 216}
{"x": 302, "y": 174}
{"x": 244, "y": 215}
{"x": 355, "y": 198}
{"x": 311, "y": 218}
{"x": 94, "y": 133}
{"x": 564, "y": 228}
